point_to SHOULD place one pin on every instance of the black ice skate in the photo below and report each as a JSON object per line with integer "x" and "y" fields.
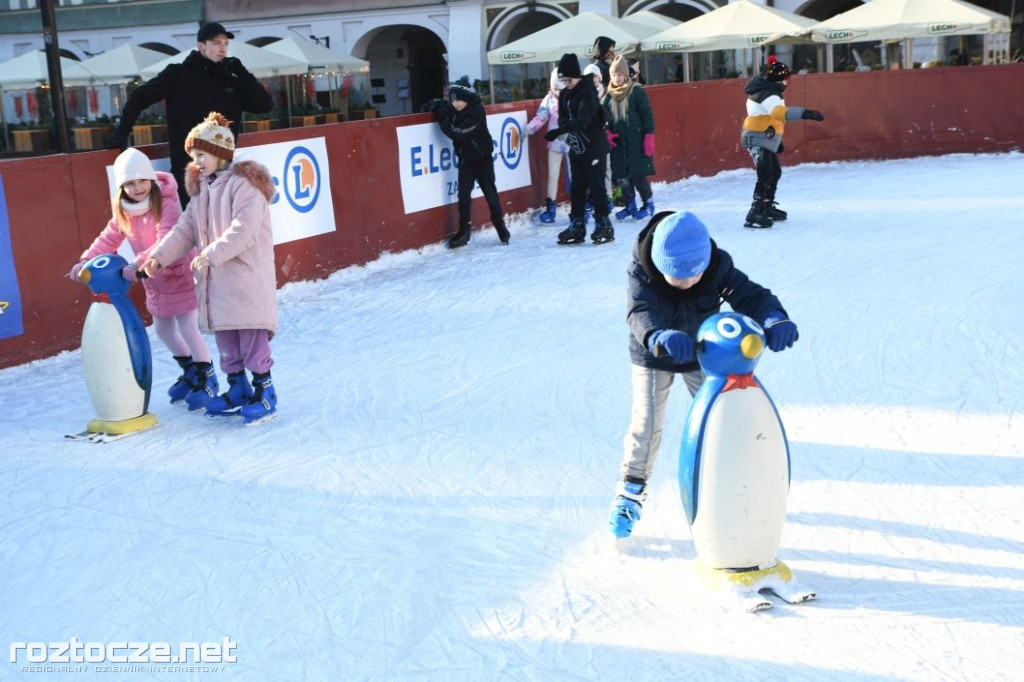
{"x": 576, "y": 233}
{"x": 603, "y": 231}
{"x": 756, "y": 216}
{"x": 774, "y": 212}
{"x": 460, "y": 238}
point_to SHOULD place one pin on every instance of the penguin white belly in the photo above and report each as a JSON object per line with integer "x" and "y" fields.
{"x": 743, "y": 482}
{"x": 109, "y": 375}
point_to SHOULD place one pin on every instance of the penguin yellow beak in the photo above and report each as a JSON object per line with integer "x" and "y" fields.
{"x": 751, "y": 346}
{"x": 84, "y": 275}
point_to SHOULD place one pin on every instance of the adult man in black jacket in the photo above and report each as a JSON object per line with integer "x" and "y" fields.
{"x": 464, "y": 120}
{"x": 208, "y": 80}
{"x": 581, "y": 120}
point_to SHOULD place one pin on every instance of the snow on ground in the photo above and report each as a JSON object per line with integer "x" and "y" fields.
{"x": 431, "y": 502}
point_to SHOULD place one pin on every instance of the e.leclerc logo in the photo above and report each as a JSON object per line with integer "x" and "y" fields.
{"x": 510, "y": 148}
{"x": 301, "y": 179}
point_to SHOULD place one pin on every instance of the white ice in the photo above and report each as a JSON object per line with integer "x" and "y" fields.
{"x": 431, "y": 502}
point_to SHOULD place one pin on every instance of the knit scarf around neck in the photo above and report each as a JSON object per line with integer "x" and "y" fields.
{"x": 620, "y": 99}
{"x": 135, "y": 207}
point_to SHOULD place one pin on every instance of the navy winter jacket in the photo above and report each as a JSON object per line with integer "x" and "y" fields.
{"x": 653, "y": 304}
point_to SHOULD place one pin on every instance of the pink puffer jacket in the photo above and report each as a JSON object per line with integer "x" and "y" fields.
{"x": 171, "y": 291}
{"x": 228, "y": 220}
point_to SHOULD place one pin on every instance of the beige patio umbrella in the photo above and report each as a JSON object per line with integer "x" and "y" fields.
{"x": 740, "y": 25}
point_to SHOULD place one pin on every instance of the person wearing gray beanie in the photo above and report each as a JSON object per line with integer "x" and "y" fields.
{"x": 677, "y": 279}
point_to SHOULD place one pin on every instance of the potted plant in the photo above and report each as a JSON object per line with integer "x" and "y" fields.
{"x": 365, "y": 111}
{"x": 331, "y": 114}
{"x": 306, "y": 116}
{"x": 31, "y": 136}
{"x": 150, "y": 129}
{"x": 92, "y": 133}
{"x": 257, "y": 123}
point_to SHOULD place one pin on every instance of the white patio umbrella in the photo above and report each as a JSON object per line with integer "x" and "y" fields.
{"x": 29, "y": 71}
{"x": 656, "y": 22}
{"x": 121, "y": 63}
{"x": 317, "y": 57}
{"x": 576, "y": 35}
{"x": 116, "y": 67}
{"x": 321, "y": 60}
{"x": 261, "y": 62}
{"x": 904, "y": 20}
{"x": 739, "y": 25}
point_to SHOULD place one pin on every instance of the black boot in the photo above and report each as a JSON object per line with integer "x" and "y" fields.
{"x": 576, "y": 233}
{"x": 460, "y": 239}
{"x": 603, "y": 231}
{"x": 503, "y": 234}
{"x": 756, "y": 216}
{"x": 776, "y": 214}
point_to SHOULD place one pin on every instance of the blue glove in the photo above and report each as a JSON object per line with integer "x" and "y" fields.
{"x": 779, "y": 331}
{"x": 675, "y": 343}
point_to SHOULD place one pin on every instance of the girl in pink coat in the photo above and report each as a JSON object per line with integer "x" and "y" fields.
{"x": 547, "y": 113}
{"x": 145, "y": 207}
{"x": 228, "y": 221}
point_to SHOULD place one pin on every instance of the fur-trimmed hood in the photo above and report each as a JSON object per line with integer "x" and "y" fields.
{"x": 256, "y": 173}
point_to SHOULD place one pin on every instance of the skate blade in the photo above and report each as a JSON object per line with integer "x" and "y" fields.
{"x": 262, "y": 420}
{"x": 570, "y": 242}
{"x": 791, "y": 594}
{"x": 757, "y": 225}
{"x": 237, "y": 412}
{"x": 598, "y": 242}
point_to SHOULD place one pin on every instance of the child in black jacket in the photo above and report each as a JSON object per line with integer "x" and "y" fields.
{"x": 464, "y": 120}
{"x": 581, "y": 120}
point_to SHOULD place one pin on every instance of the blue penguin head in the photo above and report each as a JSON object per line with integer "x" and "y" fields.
{"x": 729, "y": 343}
{"x": 102, "y": 275}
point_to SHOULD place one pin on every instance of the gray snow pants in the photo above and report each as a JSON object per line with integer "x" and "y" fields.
{"x": 650, "y": 398}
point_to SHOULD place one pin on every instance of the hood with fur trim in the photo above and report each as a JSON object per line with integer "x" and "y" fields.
{"x": 256, "y": 173}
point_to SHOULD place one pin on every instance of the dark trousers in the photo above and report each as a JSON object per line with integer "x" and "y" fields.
{"x": 481, "y": 172}
{"x": 636, "y": 185}
{"x": 769, "y": 170}
{"x": 587, "y": 177}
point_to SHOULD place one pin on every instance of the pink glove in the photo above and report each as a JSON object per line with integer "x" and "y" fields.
{"x": 649, "y": 144}
{"x": 73, "y": 275}
{"x": 611, "y": 138}
{"x": 129, "y": 274}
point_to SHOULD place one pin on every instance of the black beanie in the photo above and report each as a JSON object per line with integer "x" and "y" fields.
{"x": 461, "y": 89}
{"x": 569, "y": 66}
{"x": 602, "y": 45}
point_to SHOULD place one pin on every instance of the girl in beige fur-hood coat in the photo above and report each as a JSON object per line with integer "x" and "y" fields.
{"x": 228, "y": 221}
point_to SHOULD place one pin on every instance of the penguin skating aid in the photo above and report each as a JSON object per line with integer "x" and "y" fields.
{"x": 734, "y": 469}
{"x": 116, "y": 356}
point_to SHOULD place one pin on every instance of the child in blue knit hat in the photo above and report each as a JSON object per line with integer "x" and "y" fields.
{"x": 678, "y": 278}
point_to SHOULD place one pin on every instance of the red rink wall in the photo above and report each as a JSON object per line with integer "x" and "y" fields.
{"x": 58, "y": 204}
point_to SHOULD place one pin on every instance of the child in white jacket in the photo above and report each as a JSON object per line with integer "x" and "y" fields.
{"x": 557, "y": 149}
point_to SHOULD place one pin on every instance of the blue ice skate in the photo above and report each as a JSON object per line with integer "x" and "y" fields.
{"x": 626, "y": 508}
